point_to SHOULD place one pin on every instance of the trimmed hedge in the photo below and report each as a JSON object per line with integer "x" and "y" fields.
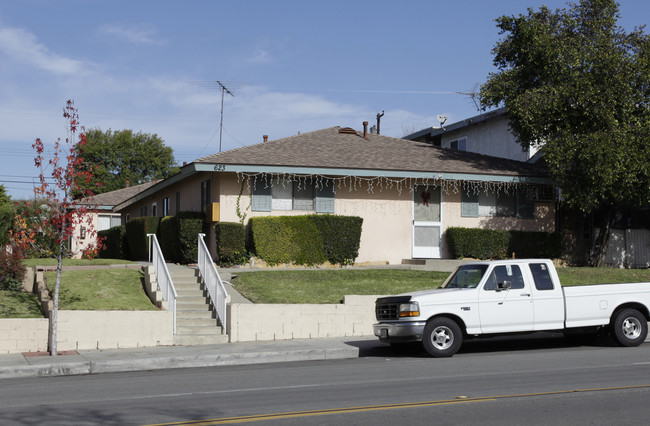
{"x": 498, "y": 244}
{"x": 115, "y": 243}
{"x": 136, "y": 235}
{"x": 231, "y": 243}
{"x": 341, "y": 237}
{"x": 307, "y": 240}
{"x": 178, "y": 235}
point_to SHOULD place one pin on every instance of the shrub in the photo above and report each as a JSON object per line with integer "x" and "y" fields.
{"x": 308, "y": 240}
{"x": 286, "y": 239}
{"x": 231, "y": 243}
{"x": 341, "y": 237}
{"x": 136, "y": 235}
{"x": 535, "y": 244}
{"x": 178, "y": 236}
{"x": 115, "y": 243}
{"x": 12, "y": 270}
{"x": 498, "y": 244}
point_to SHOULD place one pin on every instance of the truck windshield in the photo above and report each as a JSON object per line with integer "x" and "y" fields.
{"x": 466, "y": 276}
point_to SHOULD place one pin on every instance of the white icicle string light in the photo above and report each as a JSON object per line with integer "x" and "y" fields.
{"x": 355, "y": 183}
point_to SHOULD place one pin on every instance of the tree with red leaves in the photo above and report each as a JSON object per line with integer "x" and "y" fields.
{"x": 59, "y": 213}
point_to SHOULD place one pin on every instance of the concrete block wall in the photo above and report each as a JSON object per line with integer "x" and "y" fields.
{"x": 113, "y": 329}
{"x": 23, "y": 335}
{"x": 88, "y": 330}
{"x": 255, "y": 322}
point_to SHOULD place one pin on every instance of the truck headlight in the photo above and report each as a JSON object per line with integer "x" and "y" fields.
{"x": 411, "y": 309}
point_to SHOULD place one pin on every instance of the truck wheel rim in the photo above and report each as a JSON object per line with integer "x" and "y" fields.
{"x": 442, "y": 338}
{"x": 631, "y": 328}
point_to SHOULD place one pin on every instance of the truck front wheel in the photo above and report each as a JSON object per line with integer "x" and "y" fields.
{"x": 629, "y": 327}
{"x": 442, "y": 337}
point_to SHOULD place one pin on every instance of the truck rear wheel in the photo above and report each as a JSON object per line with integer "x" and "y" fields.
{"x": 630, "y": 327}
{"x": 442, "y": 337}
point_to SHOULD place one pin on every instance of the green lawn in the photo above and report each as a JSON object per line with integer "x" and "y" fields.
{"x": 329, "y": 286}
{"x": 101, "y": 289}
{"x": 14, "y": 304}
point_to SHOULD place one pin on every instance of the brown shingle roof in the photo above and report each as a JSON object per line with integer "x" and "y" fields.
{"x": 328, "y": 148}
{"x": 114, "y": 198}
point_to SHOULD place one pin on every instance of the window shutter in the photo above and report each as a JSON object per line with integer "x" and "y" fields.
{"x": 325, "y": 199}
{"x": 469, "y": 204}
{"x": 261, "y": 201}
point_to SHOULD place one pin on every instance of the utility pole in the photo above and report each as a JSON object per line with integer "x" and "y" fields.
{"x": 224, "y": 90}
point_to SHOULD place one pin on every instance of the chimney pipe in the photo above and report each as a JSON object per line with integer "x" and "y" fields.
{"x": 365, "y": 130}
{"x": 184, "y": 163}
{"x": 266, "y": 138}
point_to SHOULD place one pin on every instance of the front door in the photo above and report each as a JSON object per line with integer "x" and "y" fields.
{"x": 427, "y": 222}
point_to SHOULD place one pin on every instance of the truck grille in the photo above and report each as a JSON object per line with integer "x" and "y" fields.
{"x": 387, "y": 311}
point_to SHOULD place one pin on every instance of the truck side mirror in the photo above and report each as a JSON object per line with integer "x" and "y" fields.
{"x": 505, "y": 285}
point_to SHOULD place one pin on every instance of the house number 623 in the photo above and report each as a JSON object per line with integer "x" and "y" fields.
{"x": 219, "y": 168}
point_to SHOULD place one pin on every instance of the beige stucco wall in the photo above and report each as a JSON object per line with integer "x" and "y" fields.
{"x": 89, "y": 330}
{"x": 253, "y": 322}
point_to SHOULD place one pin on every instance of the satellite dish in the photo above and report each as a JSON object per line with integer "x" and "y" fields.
{"x": 442, "y": 119}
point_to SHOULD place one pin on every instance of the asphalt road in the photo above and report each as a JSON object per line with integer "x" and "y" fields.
{"x": 512, "y": 381}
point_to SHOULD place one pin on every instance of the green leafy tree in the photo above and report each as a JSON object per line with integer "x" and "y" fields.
{"x": 6, "y": 216}
{"x": 575, "y": 82}
{"x": 125, "y": 158}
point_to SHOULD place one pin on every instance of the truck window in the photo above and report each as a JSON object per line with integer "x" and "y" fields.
{"x": 503, "y": 273}
{"x": 541, "y": 276}
{"x": 467, "y": 276}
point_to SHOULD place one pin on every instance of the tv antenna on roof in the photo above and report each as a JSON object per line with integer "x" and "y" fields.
{"x": 224, "y": 90}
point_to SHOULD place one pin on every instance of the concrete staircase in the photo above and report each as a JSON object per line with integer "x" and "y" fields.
{"x": 196, "y": 322}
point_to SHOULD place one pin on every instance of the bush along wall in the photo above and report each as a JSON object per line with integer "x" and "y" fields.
{"x": 341, "y": 237}
{"x": 136, "y": 236}
{"x": 306, "y": 240}
{"x": 115, "y": 243}
{"x": 231, "y": 243}
{"x": 178, "y": 236}
{"x": 498, "y": 244}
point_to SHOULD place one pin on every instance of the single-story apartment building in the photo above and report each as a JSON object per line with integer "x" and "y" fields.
{"x": 407, "y": 192}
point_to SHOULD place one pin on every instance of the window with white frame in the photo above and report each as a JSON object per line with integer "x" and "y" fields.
{"x": 165, "y": 207}
{"x": 514, "y": 204}
{"x": 303, "y": 196}
{"x": 459, "y": 144}
{"x": 107, "y": 221}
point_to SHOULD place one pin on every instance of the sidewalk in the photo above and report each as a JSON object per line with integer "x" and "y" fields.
{"x": 163, "y": 357}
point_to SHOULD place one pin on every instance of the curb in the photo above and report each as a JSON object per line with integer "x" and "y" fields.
{"x": 128, "y": 362}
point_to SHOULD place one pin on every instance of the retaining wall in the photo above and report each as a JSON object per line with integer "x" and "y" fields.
{"x": 88, "y": 330}
{"x": 254, "y": 322}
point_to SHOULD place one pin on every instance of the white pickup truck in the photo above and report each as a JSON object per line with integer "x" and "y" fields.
{"x": 511, "y": 296}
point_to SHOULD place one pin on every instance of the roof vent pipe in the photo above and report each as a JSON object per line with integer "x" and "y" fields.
{"x": 266, "y": 138}
{"x": 365, "y": 130}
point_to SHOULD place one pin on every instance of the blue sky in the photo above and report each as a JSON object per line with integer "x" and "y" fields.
{"x": 293, "y": 66}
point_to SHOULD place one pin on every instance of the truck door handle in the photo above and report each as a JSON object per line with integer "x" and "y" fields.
{"x": 525, "y": 294}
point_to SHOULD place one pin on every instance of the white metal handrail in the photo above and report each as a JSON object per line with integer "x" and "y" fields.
{"x": 163, "y": 277}
{"x": 213, "y": 283}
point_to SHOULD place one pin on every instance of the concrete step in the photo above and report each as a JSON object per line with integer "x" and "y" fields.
{"x": 196, "y": 322}
{"x": 199, "y": 339}
{"x": 197, "y": 330}
{"x": 189, "y": 292}
{"x": 195, "y": 314}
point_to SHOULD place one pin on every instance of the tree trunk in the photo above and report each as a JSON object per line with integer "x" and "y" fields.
{"x": 599, "y": 247}
{"x": 55, "y": 308}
